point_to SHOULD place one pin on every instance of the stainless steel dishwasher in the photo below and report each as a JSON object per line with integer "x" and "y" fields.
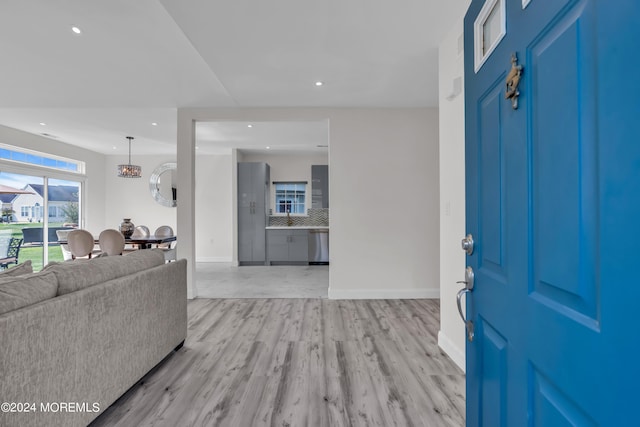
{"x": 318, "y": 246}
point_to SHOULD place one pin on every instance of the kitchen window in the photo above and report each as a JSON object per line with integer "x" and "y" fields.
{"x": 290, "y": 197}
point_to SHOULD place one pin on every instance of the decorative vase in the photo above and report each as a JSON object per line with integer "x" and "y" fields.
{"x": 126, "y": 228}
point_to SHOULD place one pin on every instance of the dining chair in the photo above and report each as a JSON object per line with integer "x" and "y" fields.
{"x": 168, "y": 248}
{"x": 111, "y": 242}
{"x": 163, "y": 231}
{"x": 138, "y": 231}
{"x": 81, "y": 244}
{"x": 64, "y": 236}
{"x": 141, "y": 231}
{"x": 13, "y": 250}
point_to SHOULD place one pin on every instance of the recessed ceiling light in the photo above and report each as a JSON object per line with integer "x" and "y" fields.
{"x": 249, "y": 126}
{"x": 197, "y": 148}
{"x": 319, "y": 83}
{"x": 268, "y": 148}
{"x": 42, "y": 124}
{"x": 154, "y": 124}
{"x": 76, "y": 30}
{"x": 114, "y": 147}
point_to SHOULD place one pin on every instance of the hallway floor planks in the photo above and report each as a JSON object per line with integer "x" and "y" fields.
{"x": 301, "y": 362}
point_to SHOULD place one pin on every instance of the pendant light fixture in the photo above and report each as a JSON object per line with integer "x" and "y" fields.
{"x": 129, "y": 170}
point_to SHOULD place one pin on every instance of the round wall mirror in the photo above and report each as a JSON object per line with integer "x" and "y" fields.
{"x": 163, "y": 184}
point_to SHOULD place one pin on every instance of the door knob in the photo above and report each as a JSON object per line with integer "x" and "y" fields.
{"x": 467, "y": 244}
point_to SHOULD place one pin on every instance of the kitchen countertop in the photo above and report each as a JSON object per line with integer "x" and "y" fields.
{"x": 298, "y": 227}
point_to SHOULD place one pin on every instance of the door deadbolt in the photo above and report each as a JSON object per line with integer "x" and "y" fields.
{"x": 467, "y": 244}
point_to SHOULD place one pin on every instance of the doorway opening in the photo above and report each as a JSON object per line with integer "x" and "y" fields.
{"x": 248, "y": 248}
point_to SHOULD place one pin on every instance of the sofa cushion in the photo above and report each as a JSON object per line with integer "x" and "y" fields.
{"x": 18, "y": 292}
{"x": 79, "y": 274}
{"x": 18, "y": 270}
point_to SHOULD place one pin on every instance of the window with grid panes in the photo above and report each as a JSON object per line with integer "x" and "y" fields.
{"x": 290, "y": 197}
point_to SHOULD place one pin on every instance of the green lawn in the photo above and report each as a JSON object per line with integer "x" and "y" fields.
{"x": 34, "y": 253}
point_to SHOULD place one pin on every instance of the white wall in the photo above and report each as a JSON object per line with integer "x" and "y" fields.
{"x": 289, "y": 167}
{"x": 384, "y": 203}
{"x": 94, "y": 205}
{"x": 451, "y": 336}
{"x": 384, "y": 196}
{"x": 213, "y": 210}
{"x": 131, "y": 198}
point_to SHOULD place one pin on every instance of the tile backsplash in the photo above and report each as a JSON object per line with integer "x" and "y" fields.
{"x": 314, "y": 217}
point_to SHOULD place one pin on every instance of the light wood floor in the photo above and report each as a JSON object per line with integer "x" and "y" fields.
{"x": 301, "y": 362}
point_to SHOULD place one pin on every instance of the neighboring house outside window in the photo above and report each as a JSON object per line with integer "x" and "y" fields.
{"x": 37, "y": 212}
{"x": 61, "y": 197}
{"x": 290, "y": 197}
{"x": 29, "y": 172}
{"x": 64, "y": 192}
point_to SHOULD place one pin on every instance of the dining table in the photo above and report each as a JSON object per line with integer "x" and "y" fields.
{"x": 149, "y": 241}
{"x": 141, "y": 242}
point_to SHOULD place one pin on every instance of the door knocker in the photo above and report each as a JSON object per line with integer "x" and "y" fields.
{"x": 513, "y": 79}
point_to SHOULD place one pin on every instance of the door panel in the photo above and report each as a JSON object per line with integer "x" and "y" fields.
{"x": 562, "y": 302}
{"x": 564, "y": 164}
{"x": 553, "y": 407}
{"x": 490, "y": 168}
{"x": 245, "y": 234}
{"x": 278, "y": 245}
{"x": 493, "y": 375}
{"x": 246, "y": 190}
{"x": 299, "y": 246}
{"x": 552, "y": 203}
{"x": 259, "y": 239}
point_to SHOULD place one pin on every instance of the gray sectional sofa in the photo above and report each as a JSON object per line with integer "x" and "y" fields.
{"x": 77, "y": 335}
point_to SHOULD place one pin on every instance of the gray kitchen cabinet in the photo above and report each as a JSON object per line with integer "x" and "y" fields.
{"x": 253, "y": 206}
{"x": 299, "y": 246}
{"x": 288, "y": 246}
{"x": 319, "y": 186}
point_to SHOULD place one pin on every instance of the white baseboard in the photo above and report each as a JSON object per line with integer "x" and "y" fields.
{"x": 214, "y": 259}
{"x": 384, "y": 293}
{"x": 456, "y": 354}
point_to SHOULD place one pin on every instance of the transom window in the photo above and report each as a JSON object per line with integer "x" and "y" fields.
{"x": 21, "y": 155}
{"x": 290, "y": 197}
{"x": 490, "y": 28}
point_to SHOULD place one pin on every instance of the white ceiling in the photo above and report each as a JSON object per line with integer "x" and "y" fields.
{"x": 274, "y": 137}
{"x": 136, "y": 62}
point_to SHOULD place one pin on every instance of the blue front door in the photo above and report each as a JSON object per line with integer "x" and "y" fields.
{"x": 553, "y": 204}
